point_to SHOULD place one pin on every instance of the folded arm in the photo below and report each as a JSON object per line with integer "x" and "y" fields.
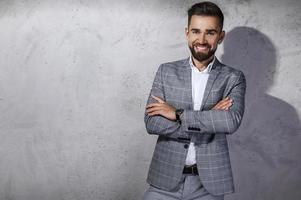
{"x": 160, "y": 116}
{"x": 219, "y": 120}
{"x": 157, "y": 123}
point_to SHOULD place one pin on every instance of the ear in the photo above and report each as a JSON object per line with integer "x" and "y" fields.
{"x": 186, "y": 32}
{"x": 221, "y": 37}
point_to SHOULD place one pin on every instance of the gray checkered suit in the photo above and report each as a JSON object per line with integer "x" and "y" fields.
{"x": 207, "y": 128}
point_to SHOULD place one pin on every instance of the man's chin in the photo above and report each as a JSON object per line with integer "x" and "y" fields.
{"x": 201, "y": 57}
{"x": 201, "y": 52}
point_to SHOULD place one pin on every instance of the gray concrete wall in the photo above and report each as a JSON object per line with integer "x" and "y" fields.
{"x": 75, "y": 75}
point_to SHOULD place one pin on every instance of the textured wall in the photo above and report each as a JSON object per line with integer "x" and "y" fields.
{"x": 75, "y": 75}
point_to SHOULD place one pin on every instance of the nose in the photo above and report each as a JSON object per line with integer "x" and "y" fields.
{"x": 202, "y": 38}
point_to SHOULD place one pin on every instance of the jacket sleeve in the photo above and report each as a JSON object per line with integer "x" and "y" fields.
{"x": 219, "y": 121}
{"x": 160, "y": 125}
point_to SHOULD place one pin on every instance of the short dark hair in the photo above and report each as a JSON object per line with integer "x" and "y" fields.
{"x": 206, "y": 9}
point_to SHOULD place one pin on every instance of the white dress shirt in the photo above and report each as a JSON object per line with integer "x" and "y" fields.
{"x": 198, "y": 82}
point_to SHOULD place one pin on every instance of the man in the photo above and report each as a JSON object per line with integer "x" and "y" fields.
{"x": 193, "y": 104}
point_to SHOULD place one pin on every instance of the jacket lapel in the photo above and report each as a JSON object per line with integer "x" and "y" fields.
{"x": 211, "y": 79}
{"x": 215, "y": 70}
{"x": 187, "y": 77}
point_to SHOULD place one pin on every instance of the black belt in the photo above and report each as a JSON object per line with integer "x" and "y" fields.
{"x": 192, "y": 169}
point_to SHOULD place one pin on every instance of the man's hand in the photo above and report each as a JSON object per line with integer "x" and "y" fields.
{"x": 161, "y": 108}
{"x": 224, "y": 104}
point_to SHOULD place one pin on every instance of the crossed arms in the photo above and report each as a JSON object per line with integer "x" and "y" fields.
{"x": 224, "y": 117}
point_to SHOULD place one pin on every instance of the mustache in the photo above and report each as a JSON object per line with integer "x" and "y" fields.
{"x": 202, "y": 45}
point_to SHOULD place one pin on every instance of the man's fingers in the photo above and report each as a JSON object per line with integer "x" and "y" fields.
{"x": 158, "y": 99}
{"x": 218, "y": 106}
{"x": 154, "y": 113}
{"x": 149, "y": 110}
{"x": 153, "y": 105}
{"x": 226, "y": 107}
{"x": 224, "y": 104}
{"x": 224, "y": 101}
{"x": 161, "y": 108}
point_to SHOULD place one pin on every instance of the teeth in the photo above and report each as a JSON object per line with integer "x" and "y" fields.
{"x": 201, "y": 48}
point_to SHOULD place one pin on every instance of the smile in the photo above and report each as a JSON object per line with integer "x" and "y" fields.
{"x": 201, "y": 48}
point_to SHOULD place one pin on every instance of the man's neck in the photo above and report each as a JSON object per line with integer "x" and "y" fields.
{"x": 202, "y": 65}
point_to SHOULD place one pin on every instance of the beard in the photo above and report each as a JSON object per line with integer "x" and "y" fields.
{"x": 201, "y": 56}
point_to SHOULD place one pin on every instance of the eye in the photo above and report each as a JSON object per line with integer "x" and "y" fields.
{"x": 211, "y": 33}
{"x": 195, "y": 31}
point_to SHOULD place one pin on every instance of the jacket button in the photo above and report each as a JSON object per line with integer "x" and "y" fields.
{"x": 186, "y": 146}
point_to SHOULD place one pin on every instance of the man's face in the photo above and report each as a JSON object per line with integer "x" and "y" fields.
{"x": 203, "y": 35}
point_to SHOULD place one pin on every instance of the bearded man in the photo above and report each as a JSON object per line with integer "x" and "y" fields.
{"x": 193, "y": 105}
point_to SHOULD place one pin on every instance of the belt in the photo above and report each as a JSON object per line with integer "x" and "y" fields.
{"x": 192, "y": 169}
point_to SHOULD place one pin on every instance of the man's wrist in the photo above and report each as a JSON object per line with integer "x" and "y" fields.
{"x": 179, "y": 112}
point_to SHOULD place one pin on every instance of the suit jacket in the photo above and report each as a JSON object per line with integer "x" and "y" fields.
{"x": 206, "y": 128}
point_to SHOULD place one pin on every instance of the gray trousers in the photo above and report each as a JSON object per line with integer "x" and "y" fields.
{"x": 190, "y": 188}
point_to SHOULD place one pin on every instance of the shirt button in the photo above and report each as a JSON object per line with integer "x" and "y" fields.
{"x": 186, "y": 146}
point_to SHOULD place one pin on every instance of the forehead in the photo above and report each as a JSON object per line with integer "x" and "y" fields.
{"x": 204, "y": 22}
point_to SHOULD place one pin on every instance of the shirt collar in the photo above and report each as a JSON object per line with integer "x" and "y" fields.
{"x": 206, "y": 70}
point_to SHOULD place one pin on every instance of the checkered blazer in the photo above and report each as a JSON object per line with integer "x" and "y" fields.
{"x": 206, "y": 128}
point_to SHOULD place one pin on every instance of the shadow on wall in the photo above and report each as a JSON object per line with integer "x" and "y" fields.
{"x": 266, "y": 150}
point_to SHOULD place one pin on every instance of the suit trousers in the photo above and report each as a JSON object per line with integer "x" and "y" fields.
{"x": 190, "y": 188}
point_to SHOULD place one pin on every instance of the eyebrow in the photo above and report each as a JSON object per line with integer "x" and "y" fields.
{"x": 211, "y": 30}
{"x": 195, "y": 29}
{"x": 207, "y": 30}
